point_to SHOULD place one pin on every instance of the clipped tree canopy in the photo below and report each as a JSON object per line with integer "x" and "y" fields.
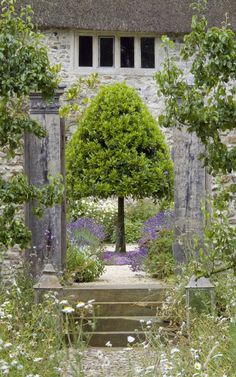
{"x": 118, "y": 149}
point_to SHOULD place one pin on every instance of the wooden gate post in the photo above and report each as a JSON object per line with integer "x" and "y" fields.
{"x": 45, "y": 157}
{"x": 191, "y": 187}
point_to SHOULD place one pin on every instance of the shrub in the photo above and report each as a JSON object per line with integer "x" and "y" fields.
{"x": 84, "y": 264}
{"x": 101, "y": 211}
{"x": 133, "y": 231}
{"x": 85, "y": 231}
{"x": 160, "y": 262}
{"x": 157, "y": 235}
{"x": 141, "y": 210}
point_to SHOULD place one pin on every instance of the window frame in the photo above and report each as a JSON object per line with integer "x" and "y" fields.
{"x": 117, "y": 69}
{"x": 84, "y": 66}
{"x": 99, "y": 50}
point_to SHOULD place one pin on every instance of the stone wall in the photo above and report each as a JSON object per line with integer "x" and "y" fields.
{"x": 10, "y": 262}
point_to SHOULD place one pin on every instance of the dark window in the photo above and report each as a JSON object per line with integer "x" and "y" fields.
{"x": 106, "y": 56}
{"x": 147, "y": 53}
{"x": 85, "y": 51}
{"x": 127, "y": 52}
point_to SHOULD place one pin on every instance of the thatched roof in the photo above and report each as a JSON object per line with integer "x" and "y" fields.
{"x": 159, "y": 16}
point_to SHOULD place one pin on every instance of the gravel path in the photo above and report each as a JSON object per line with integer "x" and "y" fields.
{"x": 113, "y": 362}
{"x": 121, "y": 275}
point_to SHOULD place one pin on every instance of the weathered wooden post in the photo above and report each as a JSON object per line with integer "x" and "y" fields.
{"x": 191, "y": 187}
{"x": 45, "y": 157}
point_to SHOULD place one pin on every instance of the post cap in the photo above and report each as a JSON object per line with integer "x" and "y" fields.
{"x": 48, "y": 279}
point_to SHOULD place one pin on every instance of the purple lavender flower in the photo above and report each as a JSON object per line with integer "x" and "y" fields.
{"x": 137, "y": 257}
{"x": 85, "y": 231}
{"x": 118, "y": 259}
{"x": 163, "y": 220}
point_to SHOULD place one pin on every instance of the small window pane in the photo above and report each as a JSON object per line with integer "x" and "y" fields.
{"x": 106, "y": 45}
{"x": 85, "y": 51}
{"x": 147, "y": 52}
{"x": 127, "y": 52}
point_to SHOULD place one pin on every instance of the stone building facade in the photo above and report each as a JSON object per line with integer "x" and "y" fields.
{"x": 118, "y": 40}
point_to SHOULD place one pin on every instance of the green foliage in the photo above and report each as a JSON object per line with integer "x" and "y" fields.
{"x": 24, "y": 67}
{"x": 84, "y": 263}
{"x": 232, "y": 345}
{"x": 31, "y": 335}
{"x": 118, "y": 149}
{"x": 141, "y": 210}
{"x": 160, "y": 262}
{"x": 24, "y": 63}
{"x": 34, "y": 338}
{"x": 133, "y": 230}
{"x": 206, "y": 347}
{"x": 14, "y": 193}
{"x": 219, "y": 239}
{"x": 207, "y": 107}
{"x": 76, "y": 98}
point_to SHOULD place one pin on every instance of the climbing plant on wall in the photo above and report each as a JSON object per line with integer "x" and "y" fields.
{"x": 204, "y": 99}
{"x": 118, "y": 150}
{"x": 24, "y": 67}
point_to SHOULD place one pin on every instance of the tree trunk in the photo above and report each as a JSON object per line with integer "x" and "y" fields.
{"x": 120, "y": 230}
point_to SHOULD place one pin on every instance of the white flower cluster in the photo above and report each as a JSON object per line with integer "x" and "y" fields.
{"x": 68, "y": 309}
{"x": 97, "y": 209}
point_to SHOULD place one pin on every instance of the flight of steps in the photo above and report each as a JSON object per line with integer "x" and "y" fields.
{"x": 120, "y": 311}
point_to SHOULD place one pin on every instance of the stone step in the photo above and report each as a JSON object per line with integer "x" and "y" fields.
{"x": 113, "y": 309}
{"x": 104, "y": 324}
{"x": 126, "y": 293}
{"x": 120, "y": 338}
{"x": 117, "y": 338}
{"x": 120, "y": 311}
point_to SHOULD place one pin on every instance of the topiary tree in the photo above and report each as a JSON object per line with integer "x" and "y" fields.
{"x": 118, "y": 150}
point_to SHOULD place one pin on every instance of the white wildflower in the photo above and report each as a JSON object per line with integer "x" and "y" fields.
{"x": 80, "y": 305}
{"x": 64, "y": 302}
{"x": 197, "y": 366}
{"x": 174, "y": 350}
{"x": 108, "y": 344}
{"x": 68, "y": 310}
{"x": 139, "y": 370}
{"x": 4, "y": 367}
{"x": 7, "y": 345}
{"x": 130, "y": 339}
